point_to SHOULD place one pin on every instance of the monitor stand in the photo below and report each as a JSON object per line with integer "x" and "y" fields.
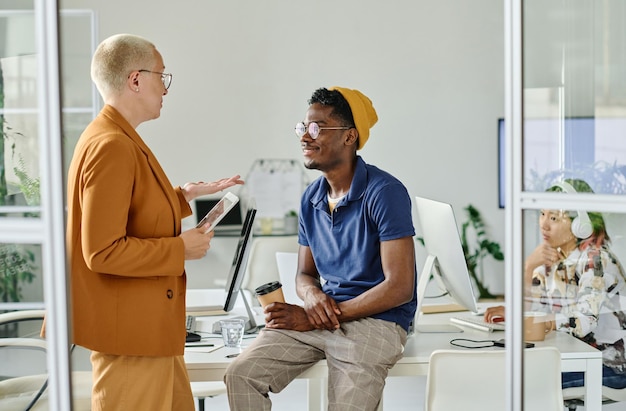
{"x": 430, "y": 267}
{"x": 250, "y": 326}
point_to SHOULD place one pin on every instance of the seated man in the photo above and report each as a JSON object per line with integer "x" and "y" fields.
{"x": 356, "y": 235}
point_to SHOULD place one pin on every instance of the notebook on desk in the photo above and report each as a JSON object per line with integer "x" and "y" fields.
{"x": 205, "y": 302}
{"x": 442, "y": 308}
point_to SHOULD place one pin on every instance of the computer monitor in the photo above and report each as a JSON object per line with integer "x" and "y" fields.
{"x": 240, "y": 260}
{"x": 238, "y": 269}
{"x": 445, "y": 260}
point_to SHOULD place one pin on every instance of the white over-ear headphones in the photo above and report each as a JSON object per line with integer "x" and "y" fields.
{"x": 581, "y": 224}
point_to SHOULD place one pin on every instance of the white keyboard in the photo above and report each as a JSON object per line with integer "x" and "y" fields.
{"x": 477, "y": 322}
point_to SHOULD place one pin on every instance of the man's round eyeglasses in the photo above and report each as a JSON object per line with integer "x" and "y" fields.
{"x": 314, "y": 129}
{"x": 166, "y": 78}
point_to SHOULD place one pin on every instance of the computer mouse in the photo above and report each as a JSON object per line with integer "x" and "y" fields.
{"x": 192, "y": 337}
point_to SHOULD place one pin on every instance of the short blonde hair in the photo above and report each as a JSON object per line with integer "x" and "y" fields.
{"x": 116, "y": 57}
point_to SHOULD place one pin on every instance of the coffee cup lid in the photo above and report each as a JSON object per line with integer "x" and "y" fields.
{"x": 268, "y": 288}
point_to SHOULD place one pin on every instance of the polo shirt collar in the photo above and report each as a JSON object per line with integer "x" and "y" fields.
{"x": 357, "y": 187}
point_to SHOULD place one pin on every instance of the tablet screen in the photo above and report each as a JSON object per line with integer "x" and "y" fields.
{"x": 219, "y": 211}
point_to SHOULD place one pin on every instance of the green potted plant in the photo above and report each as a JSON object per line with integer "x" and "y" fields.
{"x": 291, "y": 222}
{"x": 481, "y": 247}
{"x": 17, "y": 261}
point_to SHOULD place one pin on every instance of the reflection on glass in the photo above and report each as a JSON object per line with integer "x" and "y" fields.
{"x": 73, "y": 126}
{"x": 574, "y": 108}
{"x": 19, "y": 131}
{"x": 587, "y": 148}
{"x": 19, "y": 149}
{"x": 21, "y": 360}
{"x": 578, "y": 278}
{"x": 22, "y": 159}
{"x": 20, "y": 273}
{"x": 574, "y": 94}
{"x": 77, "y": 49}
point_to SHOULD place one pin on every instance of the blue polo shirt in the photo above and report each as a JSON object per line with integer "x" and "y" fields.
{"x": 346, "y": 244}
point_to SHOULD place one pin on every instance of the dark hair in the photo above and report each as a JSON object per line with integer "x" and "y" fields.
{"x": 334, "y": 99}
{"x": 597, "y": 221}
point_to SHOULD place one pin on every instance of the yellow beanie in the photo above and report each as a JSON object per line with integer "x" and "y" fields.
{"x": 362, "y": 111}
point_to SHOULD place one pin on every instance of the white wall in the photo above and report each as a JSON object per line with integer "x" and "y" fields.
{"x": 243, "y": 71}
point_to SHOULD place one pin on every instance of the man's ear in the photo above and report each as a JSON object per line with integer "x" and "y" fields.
{"x": 352, "y": 136}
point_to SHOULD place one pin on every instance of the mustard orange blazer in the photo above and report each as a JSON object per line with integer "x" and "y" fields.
{"x": 126, "y": 261}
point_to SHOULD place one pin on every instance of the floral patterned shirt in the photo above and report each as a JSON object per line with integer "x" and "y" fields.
{"x": 587, "y": 293}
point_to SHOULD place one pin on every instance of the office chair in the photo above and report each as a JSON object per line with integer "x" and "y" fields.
{"x": 262, "y": 267}
{"x": 28, "y": 392}
{"x": 573, "y": 397}
{"x": 206, "y": 389}
{"x": 481, "y": 386}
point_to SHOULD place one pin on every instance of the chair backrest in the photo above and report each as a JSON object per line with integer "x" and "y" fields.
{"x": 609, "y": 395}
{"x": 287, "y": 267}
{"x": 27, "y": 372}
{"x": 23, "y": 353}
{"x": 262, "y": 267}
{"x": 475, "y": 380}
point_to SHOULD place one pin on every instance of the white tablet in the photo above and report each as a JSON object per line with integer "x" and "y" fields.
{"x": 219, "y": 211}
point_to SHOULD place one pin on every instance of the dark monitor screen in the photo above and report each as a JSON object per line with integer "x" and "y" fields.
{"x": 238, "y": 267}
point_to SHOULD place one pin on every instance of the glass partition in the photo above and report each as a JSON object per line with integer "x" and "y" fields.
{"x": 574, "y": 94}
{"x": 19, "y": 124}
{"x": 573, "y": 122}
{"x": 20, "y": 162}
{"x": 32, "y": 252}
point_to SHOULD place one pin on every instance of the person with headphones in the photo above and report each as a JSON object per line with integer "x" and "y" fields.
{"x": 574, "y": 275}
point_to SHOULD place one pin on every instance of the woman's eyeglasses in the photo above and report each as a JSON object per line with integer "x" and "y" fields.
{"x": 166, "y": 78}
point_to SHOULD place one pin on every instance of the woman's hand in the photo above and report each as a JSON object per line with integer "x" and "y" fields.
{"x": 544, "y": 254}
{"x": 193, "y": 190}
{"x": 494, "y": 314}
{"x": 197, "y": 242}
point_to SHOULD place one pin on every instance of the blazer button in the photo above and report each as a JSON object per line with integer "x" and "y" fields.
{"x": 170, "y": 294}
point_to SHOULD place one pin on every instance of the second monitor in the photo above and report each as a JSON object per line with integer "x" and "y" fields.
{"x": 445, "y": 260}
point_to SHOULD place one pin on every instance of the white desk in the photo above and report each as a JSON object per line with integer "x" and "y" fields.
{"x": 575, "y": 356}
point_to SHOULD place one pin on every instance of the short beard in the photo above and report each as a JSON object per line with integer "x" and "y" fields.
{"x": 311, "y": 165}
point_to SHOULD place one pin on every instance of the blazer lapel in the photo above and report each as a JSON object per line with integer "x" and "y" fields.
{"x": 160, "y": 175}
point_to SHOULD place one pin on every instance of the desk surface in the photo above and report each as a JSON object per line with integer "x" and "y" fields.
{"x": 575, "y": 355}
{"x": 418, "y": 348}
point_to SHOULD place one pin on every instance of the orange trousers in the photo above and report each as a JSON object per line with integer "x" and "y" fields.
{"x": 133, "y": 383}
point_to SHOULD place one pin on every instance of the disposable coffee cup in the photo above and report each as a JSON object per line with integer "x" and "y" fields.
{"x": 536, "y": 325}
{"x": 270, "y": 293}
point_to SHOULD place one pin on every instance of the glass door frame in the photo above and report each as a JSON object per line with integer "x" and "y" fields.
{"x": 518, "y": 201}
{"x": 49, "y": 229}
